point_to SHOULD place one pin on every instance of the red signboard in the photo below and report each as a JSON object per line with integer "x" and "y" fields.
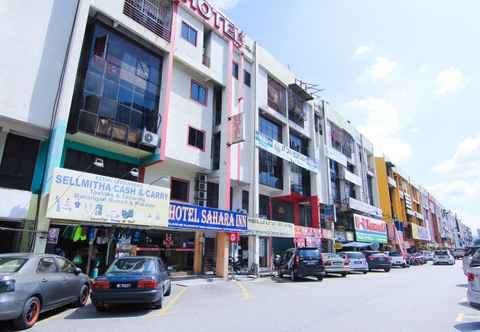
{"x": 234, "y": 237}
{"x": 308, "y": 236}
{"x": 217, "y": 20}
{"x": 369, "y": 224}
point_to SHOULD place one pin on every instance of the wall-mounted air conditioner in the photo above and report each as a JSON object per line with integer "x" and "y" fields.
{"x": 149, "y": 138}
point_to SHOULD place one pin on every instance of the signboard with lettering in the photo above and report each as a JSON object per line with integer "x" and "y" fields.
{"x": 89, "y": 197}
{"x": 265, "y": 227}
{"x": 270, "y": 145}
{"x": 308, "y": 237}
{"x": 369, "y": 229}
{"x": 420, "y": 233}
{"x": 217, "y": 20}
{"x": 238, "y": 128}
{"x": 198, "y": 217}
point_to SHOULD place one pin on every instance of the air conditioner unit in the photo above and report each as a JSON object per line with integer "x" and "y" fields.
{"x": 149, "y": 138}
{"x": 202, "y": 177}
{"x": 202, "y": 195}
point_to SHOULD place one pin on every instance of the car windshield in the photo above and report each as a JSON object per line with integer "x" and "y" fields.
{"x": 331, "y": 256}
{"x": 132, "y": 265}
{"x": 11, "y": 264}
{"x": 357, "y": 255}
{"x": 441, "y": 253}
{"x": 309, "y": 253}
{"x": 475, "y": 259}
{"x": 395, "y": 254}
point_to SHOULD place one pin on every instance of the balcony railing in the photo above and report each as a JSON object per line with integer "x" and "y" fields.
{"x": 155, "y": 15}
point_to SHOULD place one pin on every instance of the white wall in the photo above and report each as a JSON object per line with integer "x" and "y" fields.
{"x": 34, "y": 35}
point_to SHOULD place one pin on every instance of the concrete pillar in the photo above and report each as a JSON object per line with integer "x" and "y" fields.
{"x": 253, "y": 253}
{"x": 221, "y": 267}
{"x": 198, "y": 254}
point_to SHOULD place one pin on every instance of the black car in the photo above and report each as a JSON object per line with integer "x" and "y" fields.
{"x": 300, "y": 263}
{"x": 132, "y": 280}
{"x": 378, "y": 261}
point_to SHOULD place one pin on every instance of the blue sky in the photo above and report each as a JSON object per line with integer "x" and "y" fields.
{"x": 404, "y": 72}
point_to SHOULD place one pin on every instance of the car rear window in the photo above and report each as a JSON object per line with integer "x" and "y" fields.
{"x": 132, "y": 265}
{"x": 11, "y": 264}
{"x": 441, "y": 252}
{"x": 309, "y": 253}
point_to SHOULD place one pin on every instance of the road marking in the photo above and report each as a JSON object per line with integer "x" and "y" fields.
{"x": 460, "y": 317}
{"x": 166, "y": 309}
{"x": 245, "y": 293}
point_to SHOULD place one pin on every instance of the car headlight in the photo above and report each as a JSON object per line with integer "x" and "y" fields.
{"x": 7, "y": 286}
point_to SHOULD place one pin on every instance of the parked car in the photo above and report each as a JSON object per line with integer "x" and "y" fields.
{"x": 419, "y": 258}
{"x": 473, "y": 278}
{"x": 143, "y": 280}
{"x": 458, "y": 253}
{"x": 443, "y": 257}
{"x": 378, "y": 261}
{"x": 428, "y": 255}
{"x": 469, "y": 252}
{"x": 31, "y": 284}
{"x": 397, "y": 259}
{"x": 336, "y": 264}
{"x": 300, "y": 263}
{"x": 357, "y": 261}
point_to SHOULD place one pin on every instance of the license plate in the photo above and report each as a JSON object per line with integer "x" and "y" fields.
{"x": 358, "y": 262}
{"x": 124, "y": 285}
{"x": 337, "y": 263}
{"x": 309, "y": 263}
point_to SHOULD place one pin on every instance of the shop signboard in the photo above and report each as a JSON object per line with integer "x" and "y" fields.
{"x": 198, "y": 217}
{"x": 369, "y": 229}
{"x": 420, "y": 233}
{"x": 265, "y": 227}
{"x": 327, "y": 234}
{"x": 270, "y": 145}
{"x": 95, "y": 198}
{"x": 238, "y": 128}
{"x": 308, "y": 236}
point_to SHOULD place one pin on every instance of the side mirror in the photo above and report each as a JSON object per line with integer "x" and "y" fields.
{"x": 77, "y": 271}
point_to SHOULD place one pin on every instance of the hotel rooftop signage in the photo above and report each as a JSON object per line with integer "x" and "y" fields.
{"x": 217, "y": 20}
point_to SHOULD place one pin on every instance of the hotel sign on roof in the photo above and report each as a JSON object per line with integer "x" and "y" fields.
{"x": 217, "y": 20}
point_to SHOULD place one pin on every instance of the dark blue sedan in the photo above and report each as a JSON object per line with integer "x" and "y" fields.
{"x": 132, "y": 280}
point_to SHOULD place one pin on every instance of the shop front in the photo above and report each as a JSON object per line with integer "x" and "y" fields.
{"x": 267, "y": 238}
{"x": 96, "y": 218}
{"x": 421, "y": 237}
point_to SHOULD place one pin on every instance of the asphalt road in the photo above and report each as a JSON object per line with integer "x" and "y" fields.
{"x": 423, "y": 298}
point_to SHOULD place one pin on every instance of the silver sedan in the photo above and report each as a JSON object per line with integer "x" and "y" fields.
{"x": 31, "y": 284}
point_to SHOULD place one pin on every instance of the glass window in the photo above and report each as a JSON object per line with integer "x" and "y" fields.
{"x": 179, "y": 190}
{"x": 65, "y": 265}
{"x": 198, "y": 92}
{"x": 18, "y": 162}
{"x": 235, "y": 70}
{"x": 247, "y": 78}
{"x": 132, "y": 265}
{"x": 245, "y": 200}
{"x": 47, "y": 265}
{"x": 270, "y": 129}
{"x": 196, "y": 138}
{"x": 271, "y": 170}
{"x": 11, "y": 264}
{"x": 299, "y": 144}
{"x": 189, "y": 34}
{"x": 309, "y": 253}
{"x": 276, "y": 96}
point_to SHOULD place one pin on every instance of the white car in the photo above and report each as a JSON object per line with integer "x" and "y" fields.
{"x": 397, "y": 259}
{"x": 428, "y": 255}
{"x": 356, "y": 261}
{"x": 473, "y": 277}
{"x": 443, "y": 257}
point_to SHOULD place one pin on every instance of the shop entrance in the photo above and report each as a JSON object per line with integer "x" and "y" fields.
{"x": 209, "y": 252}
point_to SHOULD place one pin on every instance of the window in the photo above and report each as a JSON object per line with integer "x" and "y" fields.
{"x": 47, "y": 265}
{"x": 245, "y": 200}
{"x": 276, "y": 96}
{"x": 217, "y": 107}
{"x": 156, "y": 16}
{"x": 247, "y": 78}
{"x": 271, "y": 170}
{"x": 198, "y": 92}
{"x": 264, "y": 206}
{"x": 18, "y": 162}
{"x": 179, "y": 190}
{"x": 270, "y": 129}
{"x": 235, "y": 70}
{"x": 11, "y": 264}
{"x": 65, "y": 266}
{"x": 298, "y": 144}
{"x": 189, "y": 34}
{"x": 216, "y": 142}
{"x": 196, "y": 138}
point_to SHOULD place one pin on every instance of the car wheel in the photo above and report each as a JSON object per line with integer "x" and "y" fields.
{"x": 169, "y": 290}
{"x": 387, "y": 270}
{"x": 30, "y": 313}
{"x": 365, "y": 272}
{"x": 344, "y": 274}
{"x": 83, "y": 297}
{"x": 293, "y": 277}
{"x": 320, "y": 277}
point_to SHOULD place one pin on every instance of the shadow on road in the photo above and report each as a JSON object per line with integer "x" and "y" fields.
{"x": 465, "y": 327}
{"x": 285, "y": 280}
{"x": 89, "y": 312}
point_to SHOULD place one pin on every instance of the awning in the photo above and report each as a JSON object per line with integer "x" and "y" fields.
{"x": 356, "y": 244}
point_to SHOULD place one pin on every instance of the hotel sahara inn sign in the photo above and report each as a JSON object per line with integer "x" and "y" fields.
{"x": 217, "y": 20}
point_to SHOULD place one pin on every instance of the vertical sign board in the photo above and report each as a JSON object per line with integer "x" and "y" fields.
{"x": 238, "y": 128}
{"x": 369, "y": 229}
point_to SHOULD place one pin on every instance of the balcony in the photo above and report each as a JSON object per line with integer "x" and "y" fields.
{"x": 353, "y": 178}
{"x": 156, "y": 16}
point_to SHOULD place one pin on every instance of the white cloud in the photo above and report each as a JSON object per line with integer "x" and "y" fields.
{"x": 362, "y": 50}
{"x": 224, "y": 4}
{"x": 465, "y": 160}
{"x": 449, "y": 80}
{"x": 382, "y": 127}
{"x": 381, "y": 69}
